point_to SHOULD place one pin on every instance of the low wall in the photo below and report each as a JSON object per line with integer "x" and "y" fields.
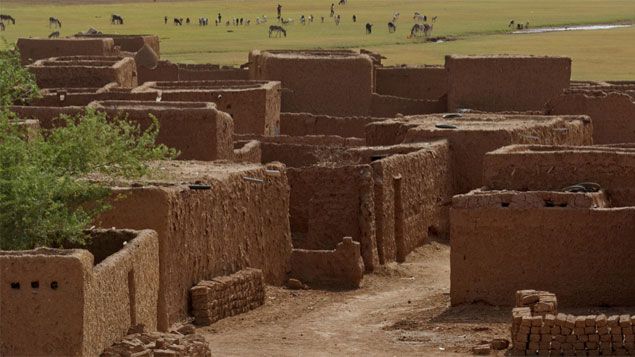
{"x": 236, "y": 216}
{"x": 301, "y": 124}
{"x": 426, "y": 82}
{"x": 389, "y": 106}
{"x": 164, "y": 71}
{"x": 72, "y": 302}
{"x": 226, "y": 296}
{"x": 247, "y": 151}
{"x": 473, "y": 135}
{"x": 84, "y": 71}
{"x": 612, "y": 113}
{"x": 130, "y": 43}
{"x": 537, "y": 167}
{"x": 321, "y": 82}
{"x": 210, "y": 72}
{"x": 505, "y": 83}
{"x": 504, "y": 241}
{"x": 33, "y": 49}
{"x": 341, "y": 267}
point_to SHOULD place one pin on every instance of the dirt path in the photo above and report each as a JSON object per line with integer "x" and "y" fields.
{"x": 403, "y": 309}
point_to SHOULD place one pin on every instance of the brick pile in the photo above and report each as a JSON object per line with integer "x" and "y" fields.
{"x": 226, "y": 296}
{"x": 159, "y": 344}
{"x": 537, "y": 328}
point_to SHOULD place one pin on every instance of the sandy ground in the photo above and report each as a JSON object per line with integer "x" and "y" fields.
{"x": 403, "y": 309}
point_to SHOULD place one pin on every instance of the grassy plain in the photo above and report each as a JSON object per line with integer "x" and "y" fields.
{"x": 479, "y": 26}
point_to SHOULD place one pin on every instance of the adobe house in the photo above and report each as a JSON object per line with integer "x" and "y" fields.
{"x": 472, "y": 135}
{"x": 546, "y": 167}
{"x": 212, "y": 219}
{"x": 610, "y": 106}
{"x": 497, "y": 83}
{"x": 76, "y": 302}
{"x": 33, "y": 49}
{"x": 84, "y": 71}
{"x": 576, "y": 245}
{"x": 387, "y": 198}
{"x": 254, "y": 105}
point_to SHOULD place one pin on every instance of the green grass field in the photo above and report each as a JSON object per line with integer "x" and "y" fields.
{"x": 480, "y": 26}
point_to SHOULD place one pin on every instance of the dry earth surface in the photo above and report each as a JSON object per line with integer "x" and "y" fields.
{"x": 403, "y": 309}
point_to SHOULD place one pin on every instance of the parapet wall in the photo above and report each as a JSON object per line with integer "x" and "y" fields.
{"x": 211, "y": 72}
{"x": 426, "y": 82}
{"x": 336, "y": 83}
{"x": 341, "y": 267}
{"x": 129, "y": 43}
{"x": 538, "y": 167}
{"x": 505, "y": 83}
{"x": 504, "y": 241}
{"x": 612, "y": 113}
{"x": 72, "y": 302}
{"x": 226, "y": 296}
{"x": 84, "y": 71}
{"x": 389, "y": 106}
{"x": 301, "y": 124}
{"x": 33, "y": 49}
{"x": 229, "y": 216}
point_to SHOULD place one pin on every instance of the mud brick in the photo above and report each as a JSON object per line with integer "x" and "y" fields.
{"x": 571, "y": 338}
{"x": 543, "y": 352}
{"x": 566, "y": 331}
{"x": 545, "y": 338}
{"x": 534, "y": 338}
{"x": 580, "y": 321}
{"x": 578, "y": 330}
{"x": 526, "y": 321}
{"x": 545, "y": 330}
{"x": 616, "y": 338}
{"x": 583, "y": 338}
{"x": 570, "y": 322}
{"x": 530, "y": 353}
{"x": 591, "y": 345}
{"x": 555, "y": 330}
{"x": 555, "y": 345}
{"x": 544, "y": 307}
{"x": 629, "y": 338}
{"x": 549, "y": 320}
{"x": 590, "y": 320}
{"x": 613, "y": 321}
{"x": 524, "y": 329}
{"x": 560, "y": 338}
{"x": 580, "y": 353}
{"x": 589, "y": 330}
{"x": 603, "y": 330}
{"x": 625, "y": 321}
{"x": 594, "y": 338}
{"x": 578, "y": 345}
{"x": 519, "y": 312}
{"x": 620, "y": 351}
{"x": 536, "y": 321}
{"x": 592, "y": 353}
{"x": 605, "y": 338}
{"x": 536, "y": 330}
{"x": 545, "y": 345}
{"x": 626, "y": 331}
{"x": 521, "y": 339}
{"x": 616, "y": 330}
{"x": 567, "y": 346}
{"x": 526, "y": 297}
{"x": 561, "y": 320}
{"x": 600, "y": 320}
{"x": 629, "y": 345}
{"x": 534, "y": 346}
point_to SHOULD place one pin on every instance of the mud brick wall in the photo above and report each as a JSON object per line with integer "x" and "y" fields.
{"x": 33, "y": 49}
{"x": 72, "y": 302}
{"x": 64, "y": 98}
{"x": 505, "y": 83}
{"x": 477, "y": 134}
{"x": 552, "y": 241}
{"x": 612, "y": 113}
{"x": 327, "y": 82}
{"x": 210, "y": 72}
{"x": 164, "y": 71}
{"x": 130, "y": 43}
{"x": 198, "y": 130}
{"x": 305, "y": 150}
{"x": 328, "y": 203}
{"x": 341, "y": 267}
{"x": 239, "y": 222}
{"x": 253, "y": 105}
{"x": 301, "y": 124}
{"x": 226, "y": 296}
{"x": 543, "y": 167}
{"x": 81, "y": 71}
{"x": 389, "y": 106}
{"x": 548, "y": 332}
{"x": 412, "y": 187}
{"x": 428, "y": 82}
{"x": 247, "y": 151}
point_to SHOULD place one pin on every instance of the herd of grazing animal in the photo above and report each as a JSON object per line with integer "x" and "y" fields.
{"x": 518, "y": 26}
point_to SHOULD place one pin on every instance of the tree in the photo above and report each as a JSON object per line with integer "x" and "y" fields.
{"x": 45, "y": 197}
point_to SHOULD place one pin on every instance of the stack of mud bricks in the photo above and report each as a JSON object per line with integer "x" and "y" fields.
{"x": 226, "y": 296}
{"x": 538, "y": 329}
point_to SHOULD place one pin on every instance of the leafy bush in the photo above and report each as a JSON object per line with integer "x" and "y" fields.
{"x": 45, "y": 198}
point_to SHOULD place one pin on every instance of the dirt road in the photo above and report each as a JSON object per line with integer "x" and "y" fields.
{"x": 403, "y": 309}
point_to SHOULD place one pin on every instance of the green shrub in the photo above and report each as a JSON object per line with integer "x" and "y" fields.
{"x": 17, "y": 85}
